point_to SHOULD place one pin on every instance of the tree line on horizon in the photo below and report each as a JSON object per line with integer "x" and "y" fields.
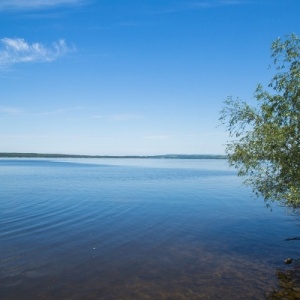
{"x": 166, "y": 156}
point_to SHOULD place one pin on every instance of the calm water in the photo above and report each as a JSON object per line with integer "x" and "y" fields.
{"x": 136, "y": 229}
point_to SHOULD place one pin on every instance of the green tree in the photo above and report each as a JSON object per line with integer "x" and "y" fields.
{"x": 264, "y": 141}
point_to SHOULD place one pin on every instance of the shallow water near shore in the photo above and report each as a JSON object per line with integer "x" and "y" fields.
{"x": 136, "y": 229}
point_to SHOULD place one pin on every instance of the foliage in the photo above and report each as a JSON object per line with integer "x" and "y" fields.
{"x": 265, "y": 140}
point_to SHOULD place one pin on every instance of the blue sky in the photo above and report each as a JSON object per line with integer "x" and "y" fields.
{"x": 131, "y": 77}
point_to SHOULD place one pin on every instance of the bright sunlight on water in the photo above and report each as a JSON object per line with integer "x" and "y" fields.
{"x": 136, "y": 229}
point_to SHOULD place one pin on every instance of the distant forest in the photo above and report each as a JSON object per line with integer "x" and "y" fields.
{"x": 167, "y": 156}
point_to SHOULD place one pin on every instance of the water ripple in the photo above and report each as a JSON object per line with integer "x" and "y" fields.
{"x": 88, "y": 231}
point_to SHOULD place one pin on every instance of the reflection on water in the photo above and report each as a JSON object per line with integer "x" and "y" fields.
{"x": 141, "y": 229}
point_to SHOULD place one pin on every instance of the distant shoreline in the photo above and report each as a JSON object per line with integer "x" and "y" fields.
{"x": 167, "y": 156}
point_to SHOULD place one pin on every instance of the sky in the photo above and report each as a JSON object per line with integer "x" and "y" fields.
{"x": 131, "y": 77}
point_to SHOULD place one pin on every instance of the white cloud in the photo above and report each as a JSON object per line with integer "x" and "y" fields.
{"x": 200, "y": 4}
{"x": 35, "y": 4}
{"x": 59, "y": 111}
{"x": 233, "y": 2}
{"x": 124, "y": 117}
{"x": 10, "y": 110}
{"x": 119, "y": 117}
{"x": 156, "y": 137}
{"x": 211, "y": 4}
{"x": 17, "y": 50}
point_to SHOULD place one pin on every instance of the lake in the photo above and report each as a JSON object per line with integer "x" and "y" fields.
{"x": 137, "y": 229}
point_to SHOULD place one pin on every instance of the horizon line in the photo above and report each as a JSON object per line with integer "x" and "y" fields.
{"x": 61, "y": 155}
